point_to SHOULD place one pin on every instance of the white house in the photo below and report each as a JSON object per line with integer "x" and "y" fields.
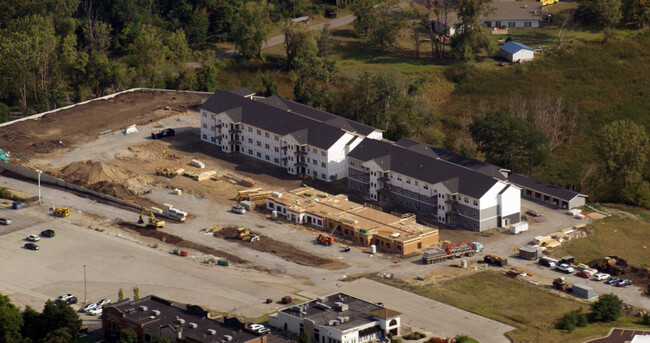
{"x": 300, "y": 138}
{"x": 511, "y": 14}
{"x": 338, "y": 318}
{"x": 453, "y": 189}
{"x": 516, "y": 52}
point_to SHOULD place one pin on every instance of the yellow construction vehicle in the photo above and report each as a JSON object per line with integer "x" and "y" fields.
{"x": 243, "y": 233}
{"x": 61, "y": 212}
{"x": 153, "y": 222}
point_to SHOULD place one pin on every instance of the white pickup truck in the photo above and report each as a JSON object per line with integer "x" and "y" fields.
{"x": 565, "y": 268}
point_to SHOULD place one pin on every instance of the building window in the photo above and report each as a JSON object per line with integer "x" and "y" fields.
{"x": 267, "y": 146}
{"x": 259, "y": 143}
{"x": 205, "y": 126}
{"x": 511, "y": 24}
{"x": 205, "y": 136}
{"x": 475, "y": 203}
{"x": 250, "y": 152}
{"x": 259, "y": 132}
{"x": 466, "y": 199}
{"x": 322, "y": 164}
{"x": 266, "y": 135}
{"x": 426, "y": 186}
{"x": 315, "y": 162}
{"x": 277, "y": 161}
{"x": 250, "y": 129}
{"x": 528, "y": 24}
{"x": 277, "y": 149}
{"x": 259, "y": 154}
{"x": 315, "y": 173}
{"x": 214, "y": 140}
{"x": 268, "y": 158}
{"x": 250, "y": 140}
{"x": 277, "y": 138}
{"x": 322, "y": 176}
{"x": 315, "y": 150}
{"x": 323, "y": 153}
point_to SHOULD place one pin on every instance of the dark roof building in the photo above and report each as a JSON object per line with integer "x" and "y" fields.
{"x": 152, "y": 317}
{"x": 545, "y": 192}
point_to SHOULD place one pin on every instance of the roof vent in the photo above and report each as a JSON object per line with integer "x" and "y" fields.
{"x": 180, "y": 320}
{"x": 342, "y": 307}
{"x": 194, "y": 325}
{"x": 152, "y": 317}
{"x": 156, "y": 312}
{"x": 212, "y": 332}
{"x": 322, "y": 306}
{"x": 142, "y": 308}
{"x": 227, "y": 338}
{"x": 334, "y": 322}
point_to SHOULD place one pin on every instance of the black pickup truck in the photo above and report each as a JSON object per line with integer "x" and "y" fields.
{"x": 163, "y": 133}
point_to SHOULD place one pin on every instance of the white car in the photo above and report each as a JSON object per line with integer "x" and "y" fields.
{"x": 65, "y": 297}
{"x": 565, "y": 268}
{"x": 239, "y": 209}
{"x": 88, "y": 307}
{"x": 103, "y": 302}
{"x": 95, "y": 311}
{"x": 33, "y": 238}
{"x": 601, "y": 276}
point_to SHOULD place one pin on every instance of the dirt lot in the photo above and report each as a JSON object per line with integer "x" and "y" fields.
{"x": 58, "y": 132}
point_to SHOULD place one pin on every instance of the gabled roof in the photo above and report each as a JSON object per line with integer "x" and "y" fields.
{"x": 504, "y": 11}
{"x": 386, "y": 313}
{"x": 271, "y": 118}
{"x": 513, "y": 47}
{"x": 329, "y": 118}
{"x": 423, "y": 167}
{"x": 242, "y": 91}
{"x": 543, "y": 187}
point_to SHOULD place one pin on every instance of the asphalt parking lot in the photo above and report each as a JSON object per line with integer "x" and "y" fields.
{"x": 619, "y": 336}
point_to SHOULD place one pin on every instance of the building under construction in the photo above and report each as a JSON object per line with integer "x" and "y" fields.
{"x": 363, "y": 224}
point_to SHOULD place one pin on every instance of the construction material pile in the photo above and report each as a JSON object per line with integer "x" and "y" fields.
{"x": 556, "y": 239}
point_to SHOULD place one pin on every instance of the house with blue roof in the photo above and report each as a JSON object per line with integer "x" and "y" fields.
{"x": 516, "y": 52}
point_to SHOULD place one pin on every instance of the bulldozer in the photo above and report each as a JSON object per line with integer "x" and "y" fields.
{"x": 325, "y": 239}
{"x": 495, "y": 260}
{"x": 562, "y": 285}
{"x": 153, "y": 223}
{"x": 61, "y": 212}
{"x": 243, "y": 233}
{"x": 612, "y": 265}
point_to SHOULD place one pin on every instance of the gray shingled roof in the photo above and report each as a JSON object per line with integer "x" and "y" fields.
{"x": 543, "y": 187}
{"x": 504, "y": 11}
{"x": 329, "y": 118}
{"x": 424, "y": 167}
{"x": 464, "y": 161}
{"x": 273, "y": 119}
{"x": 242, "y": 91}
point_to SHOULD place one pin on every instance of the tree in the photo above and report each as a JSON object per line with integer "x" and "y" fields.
{"x": 197, "y": 28}
{"x": 304, "y": 337}
{"x": 120, "y": 295}
{"x": 148, "y": 55}
{"x": 314, "y": 75}
{"x": 571, "y": 320}
{"x": 436, "y": 11}
{"x": 32, "y": 327}
{"x": 325, "y": 41}
{"x": 222, "y": 16}
{"x": 128, "y": 336}
{"x": 136, "y": 293}
{"x": 179, "y": 50}
{"x": 624, "y": 147}
{"x": 470, "y": 38}
{"x": 270, "y": 87}
{"x": 298, "y": 39}
{"x": 378, "y": 22}
{"x": 58, "y": 336}
{"x": 250, "y": 28}
{"x": 520, "y": 146}
{"x": 4, "y": 112}
{"x": 206, "y": 78}
{"x": 607, "y": 308}
{"x": 10, "y": 321}
{"x": 59, "y": 315}
{"x": 638, "y": 12}
{"x": 606, "y": 12}
{"x": 565, "y": 27}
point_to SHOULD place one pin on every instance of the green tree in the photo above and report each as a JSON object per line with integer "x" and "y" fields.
{"x": 250, "y": 28}
{"x": 608, "y": 308}
{"x": 464, "y": 339}
{"x": 511, "y": 142}
{"x": 11, "y": 321}
{"x": 270, "y": 86}
{"x": 120, "y": 295}
{"x": 4, "y": 112}
{"x": 58, "y": 336}
{"x": 624, "y": 147}
{"x": 148, "y": 55}
{"x": 606, "y": 12}
{"x": 32, "y": 326}
{"x": 136, "y": 292}
{"x": 59, "y": 315}
{"x": 314, "y": 75}
{"x": 197, "y": 28}
{"x": 298, "y": 39}
{"x": 571, "y": 320}
{"x": 377, "y": 22}
{"x": 304, "y": 337}
{"x": 128, "y": 336}
{"x": 638, "y": 12}
{"x": 325, "y": 41}
{"x": 222, "y": 17}
{"x": 206, "y": 78}
{"x": 471, "y": 39}
{"x": 179, "y": 50}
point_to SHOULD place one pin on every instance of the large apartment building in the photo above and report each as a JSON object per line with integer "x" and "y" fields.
{"x": 302, "y": 139}
{"x": 420, "y": 177}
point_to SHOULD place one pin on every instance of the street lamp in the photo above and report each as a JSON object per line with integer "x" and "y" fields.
{"x": 85, "y": 298}
{"x": 39, "y": 185}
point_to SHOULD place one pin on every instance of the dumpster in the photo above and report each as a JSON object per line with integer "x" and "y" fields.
{"x": 224, "y": 263}
{"x": 16, "y": 205}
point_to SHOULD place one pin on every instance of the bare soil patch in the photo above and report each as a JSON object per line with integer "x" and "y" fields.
{"x": 281, "y": 249}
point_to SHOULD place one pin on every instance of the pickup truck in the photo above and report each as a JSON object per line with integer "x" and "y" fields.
{"x": 162, "y": 133}
{"x": 565, "y": 268}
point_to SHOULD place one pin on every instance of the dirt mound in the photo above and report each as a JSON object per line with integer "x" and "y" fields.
{"x": 90, "y": 172}
{"x": 180, "y": 242}
{"x": 283, "y": 250}
{"x": 640, "y": 276}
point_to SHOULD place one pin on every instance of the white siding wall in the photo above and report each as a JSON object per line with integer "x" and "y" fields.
{"x": 510, "y": 201}
{"x": 523, "y": 55}
{"x": 374, "y": 135}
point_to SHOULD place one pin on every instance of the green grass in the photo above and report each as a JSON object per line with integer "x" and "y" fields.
{"x": 624, "y": 234}
{"x": 513, "y": 302}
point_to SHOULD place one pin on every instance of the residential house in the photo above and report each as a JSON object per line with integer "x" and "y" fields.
{"x": 503, "y": 14}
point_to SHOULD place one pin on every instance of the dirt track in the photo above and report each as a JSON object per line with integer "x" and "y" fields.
{"x": 62, "y": 130}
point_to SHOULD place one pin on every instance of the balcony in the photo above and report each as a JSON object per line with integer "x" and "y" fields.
{"x": 234, "y": 130}
{"x": 235, "y": 142}
{"x": 384, "y": 179}
{"x": 301, "y": 152}
{"x": 300, "y": 164}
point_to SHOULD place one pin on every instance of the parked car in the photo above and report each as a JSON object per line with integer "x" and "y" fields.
{"x": 624, "y": 283}
{"x": 69, "y": 298}
{"x": 95, "y": 311}
{"x": 103, "y": 302}
{"x": 31, "y": 246}
{"x": 330, "y": 14}
{"x": 88, "y": 307}
{"x": 612, "y": 280}
{"x": 601, "y": 276}
{"x": 548, "y": 262}
{"x": 5, "y": 221}
{"x": 33, "y": 238}
{"x": 565, "y": 268}
{"x": 585, "y": 274}
{"x": 239, "y": 209}
{"x": 72, "y": 300}
{"x": 48, "y": 233}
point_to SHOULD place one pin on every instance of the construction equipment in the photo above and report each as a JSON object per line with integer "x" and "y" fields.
{"x": 61, "y": 212}
{"x": 163, "y": 133}
{"x": 451, "y": 251}
{"x": 612, "y": 265}
{"x": 254, "y": 238}
{"x": 153, "y": 222}
{"x": 325, "y": 239}
{"x": 243, "y": 233}
{"x": 562, "y": 285}
{"x": 495, "y": 260}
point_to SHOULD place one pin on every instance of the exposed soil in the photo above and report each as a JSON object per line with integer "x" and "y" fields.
{"x": 640, "y": 277}
{"x": 63, "y": 130}
{"x": 180, "y": 242}
{"x": 283, "y": 250}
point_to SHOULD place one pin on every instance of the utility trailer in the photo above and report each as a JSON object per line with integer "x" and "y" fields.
{"x": 451, "y": 251}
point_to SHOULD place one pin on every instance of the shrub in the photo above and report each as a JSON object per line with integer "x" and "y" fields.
{"x": 571, "y": 320}
{"x": 414, "y": 336}
{"x": 440, "y": 340}
{"x": 464, "y": 339}
{"x": 5, "y": 193}
{"x": 606, "y": 309}
{"x": 646, "y": 319}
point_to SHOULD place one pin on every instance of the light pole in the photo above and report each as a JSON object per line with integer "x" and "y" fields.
{"x": 39, "y": 185}
{"x": 85, "y": 298}
{"x": 537, "y": 326}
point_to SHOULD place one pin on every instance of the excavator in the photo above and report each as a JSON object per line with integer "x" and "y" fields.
{"x": 61, "y": 212}
{"x": 153, "y": 222}
{"x": 243, "y": 233}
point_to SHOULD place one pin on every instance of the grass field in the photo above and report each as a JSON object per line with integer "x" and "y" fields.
{"x": 624, "y": 234}
{"x": 514, "y": 302}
